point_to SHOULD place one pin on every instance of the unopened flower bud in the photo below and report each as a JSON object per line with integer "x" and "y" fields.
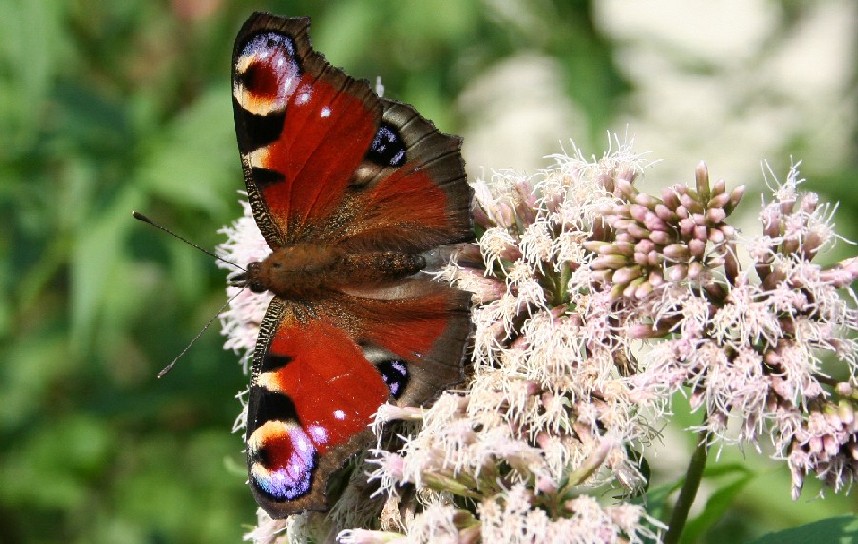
{"x": 660, "y": 237}
{"x": 625, "y": 188}
{"x": 736, "y": 196}
{"x": 597, "y": 246}
{"x": 664, "y": 213}
{"x": 654, "y": 258}
{"x": 719, "y": 187}
{"x": 670, "y": 198}
{"x": 716, "y": 236}
{"x": 638, "y": 212}
{"x": 643, "y": 290}
{"x": 844, "y": 389}
{"x": 715, "y": 215}
{"x": 689, "y": 203}
{"x": 620, "y": 248}
{"x": 646, "y": 200}
{"x": 626, "y": 274}
{"x": 655, "y": 278}
{"x": 718, "y": 201}
{"x": 846, "y": 412}
{"x": 677, "y": 272}
{"x": 629, "y": 291}
{"x": 830, "y": 445}
{"x": 604, "y": 262}
{"x": 677, "y": 252}
{"x": 695, "y": 270}
{"x": 654, "y": 222}
{"x": 697, "y": 247}
{"x": 701, "y": 178}
{"x": 638, "y": 231}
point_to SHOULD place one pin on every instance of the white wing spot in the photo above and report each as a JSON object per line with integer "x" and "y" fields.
{"x": 319, "y": 434}
{"x": 326, "y": 111}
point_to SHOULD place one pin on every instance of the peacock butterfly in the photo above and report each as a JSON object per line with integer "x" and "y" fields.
{"x": 351, "y": 192}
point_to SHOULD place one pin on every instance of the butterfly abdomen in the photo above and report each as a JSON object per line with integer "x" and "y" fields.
{"x": 310, "y": 271}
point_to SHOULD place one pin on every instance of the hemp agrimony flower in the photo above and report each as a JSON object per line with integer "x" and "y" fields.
{"x": 594, "y": 303}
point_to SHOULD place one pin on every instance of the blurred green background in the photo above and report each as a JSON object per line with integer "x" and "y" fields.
{"x": 107, "y": 107}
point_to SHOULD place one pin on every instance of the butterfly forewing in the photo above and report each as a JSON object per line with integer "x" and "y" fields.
{"x": 303, "y": 127}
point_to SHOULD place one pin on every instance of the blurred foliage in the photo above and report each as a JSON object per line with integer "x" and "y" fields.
{"x": 107, "y": 107}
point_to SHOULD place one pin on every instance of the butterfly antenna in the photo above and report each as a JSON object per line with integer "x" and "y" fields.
{"x": 169, "y": 367}
{"x": 140, "y": 217}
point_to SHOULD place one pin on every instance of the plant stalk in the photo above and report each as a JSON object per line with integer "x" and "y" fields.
{"x": 689, "y": 490}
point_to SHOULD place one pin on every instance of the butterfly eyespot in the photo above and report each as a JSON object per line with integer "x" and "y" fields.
{"x": 266, "y": 73}
{"x": 387, "y": 148}
{"x": 395, "y": 376}
{"x": 282, "y": 459}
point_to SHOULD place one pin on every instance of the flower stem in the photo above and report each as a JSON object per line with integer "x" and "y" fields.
{"x": 689, "y": 489}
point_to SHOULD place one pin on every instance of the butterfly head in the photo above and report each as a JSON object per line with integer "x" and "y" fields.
{"x": 250, "y": 278}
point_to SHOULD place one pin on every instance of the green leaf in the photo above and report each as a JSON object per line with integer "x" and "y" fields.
{"x": 842, "y": 529}
{"x": 195, "y": 161}
{"x": 30, "y": 54}
{"x": 96, "y": 257}
{"x": 55, "y": 468}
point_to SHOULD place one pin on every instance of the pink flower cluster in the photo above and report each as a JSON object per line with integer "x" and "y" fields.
{"x": 594, "y": 303}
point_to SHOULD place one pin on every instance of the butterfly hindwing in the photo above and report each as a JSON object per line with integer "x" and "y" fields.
{"x": 312, "y": 395}
{"x": 321, "y": 371}
{"x": 414, "y": 193}
{"x": 424, "y": 329}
